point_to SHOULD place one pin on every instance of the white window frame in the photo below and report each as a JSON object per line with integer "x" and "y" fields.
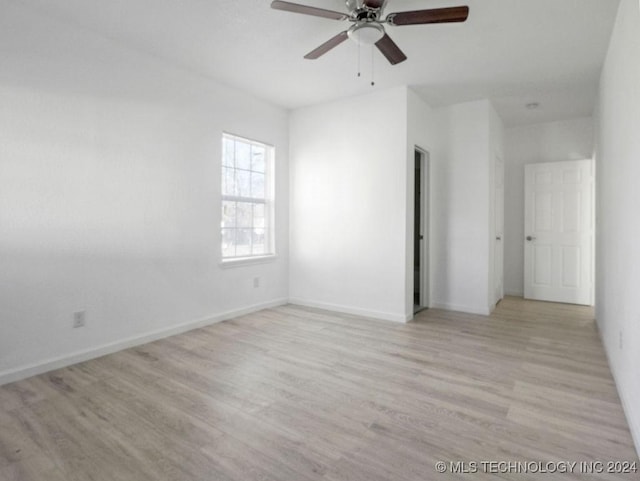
{"x": 268, "y": 201}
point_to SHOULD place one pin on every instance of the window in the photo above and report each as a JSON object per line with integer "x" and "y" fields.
{"x": 247, "y": 198}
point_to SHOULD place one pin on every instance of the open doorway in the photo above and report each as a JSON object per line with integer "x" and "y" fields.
{"x": 498, "y": 256}
{"x": 420, "y": 232}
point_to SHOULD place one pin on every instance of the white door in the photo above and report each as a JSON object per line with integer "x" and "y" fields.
{"x": 558, "y": 244}
{"x": 499, "y": 230}
{"x": 424, "y": 228}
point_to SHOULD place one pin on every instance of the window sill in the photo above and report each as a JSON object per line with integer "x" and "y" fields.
{"x": 247, "y": 261}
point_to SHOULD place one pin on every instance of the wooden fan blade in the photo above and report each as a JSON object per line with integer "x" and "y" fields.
{"x": 375, "y": 3}
{"x": 435, "y": 15}
{"x": 306, "y": 10}
{"x": 390, "y": 50}
{"x": 328, "y": 45}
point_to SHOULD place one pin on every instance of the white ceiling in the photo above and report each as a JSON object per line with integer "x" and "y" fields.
{"x": 512, "y": 51}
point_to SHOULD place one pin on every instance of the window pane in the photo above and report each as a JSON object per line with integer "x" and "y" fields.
{"x": 243, "y": 242}
{"x": 227, "y": 151}
{"x": 228, "y": 242}
{"x": 257, "y": 185}
{"x": 259, "y": 246}
{"x": 228, "y": 184}
{"x": 258, "y": 215}
{"x": 244, "y": 214}
{"x": 245, "y": 208}
{"x": 243, "y": 155}
{"x": 243, "y": 183}
{"x": 257, "y": 158}
{"x": 228, "y": 214}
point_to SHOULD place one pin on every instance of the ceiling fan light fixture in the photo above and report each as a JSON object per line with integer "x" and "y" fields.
{"x": 366, "y": 33}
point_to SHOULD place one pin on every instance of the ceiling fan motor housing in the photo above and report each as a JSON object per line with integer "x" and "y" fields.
{"x": 362, "y": 12}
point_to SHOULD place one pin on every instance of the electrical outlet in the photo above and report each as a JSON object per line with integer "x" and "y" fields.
{"x": 79, "y": 319}
{"x": 256, "y": 282}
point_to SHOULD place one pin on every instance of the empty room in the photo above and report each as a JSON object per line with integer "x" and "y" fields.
{"x": 319, "y": 240}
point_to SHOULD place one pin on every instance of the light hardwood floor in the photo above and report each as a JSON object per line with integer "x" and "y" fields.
{"x": 300, "y": 394}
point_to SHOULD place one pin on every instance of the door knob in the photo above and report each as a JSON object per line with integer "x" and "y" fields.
{"x": 530, "y": 238}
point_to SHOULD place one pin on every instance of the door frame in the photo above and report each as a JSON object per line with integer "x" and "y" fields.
{"x": 425, "y": 204}
{"x": 498, "y": 242}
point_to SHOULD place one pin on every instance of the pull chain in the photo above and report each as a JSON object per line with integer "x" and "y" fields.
{"x": 358, "y": 59}
{"x": 372, "y": 70}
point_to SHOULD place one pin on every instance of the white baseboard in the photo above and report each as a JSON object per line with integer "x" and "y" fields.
{"x": 356, "y": 311}
{"x": 633, "y": 417}
{"x": 483, "y": 311}
{"x": 109, "y": 348}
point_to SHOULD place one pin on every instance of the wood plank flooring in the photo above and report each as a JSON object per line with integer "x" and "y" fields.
{"x": 300, "y": 394}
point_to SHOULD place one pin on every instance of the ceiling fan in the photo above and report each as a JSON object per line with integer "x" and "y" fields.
{"x": 368, "y": 24}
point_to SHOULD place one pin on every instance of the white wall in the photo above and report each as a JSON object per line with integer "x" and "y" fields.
{"x": 546, "y": 142}
{"x": 618, "y": 198}
{"x": 348, "y": 205}
{"x": 352, "y": 190}
{"x": 461, "y": 182}
{"x": 109, "y": 195}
